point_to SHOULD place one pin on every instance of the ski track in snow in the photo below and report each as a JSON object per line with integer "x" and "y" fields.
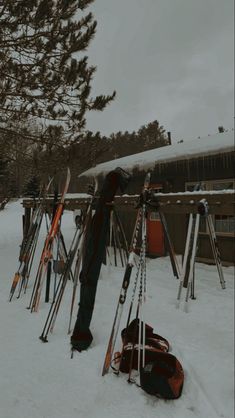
{"x": 42, "y": 381}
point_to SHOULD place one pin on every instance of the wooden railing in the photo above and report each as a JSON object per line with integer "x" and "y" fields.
{"x": 220, "y": 203}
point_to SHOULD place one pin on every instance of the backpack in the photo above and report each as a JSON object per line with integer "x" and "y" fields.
{"x": 162, "y": 374}
{"x": 163, "y": 377}
{"x": 131, "y": 335}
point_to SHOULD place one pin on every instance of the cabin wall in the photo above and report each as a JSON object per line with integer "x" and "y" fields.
{"x": 174, "y": 175}
{"x": 173, "y": 178}
{"x": 177, "y": 226}
{"x": 226, "y": 246}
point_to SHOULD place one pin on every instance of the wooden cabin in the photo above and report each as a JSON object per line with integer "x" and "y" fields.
{"x": 178, "y": 168}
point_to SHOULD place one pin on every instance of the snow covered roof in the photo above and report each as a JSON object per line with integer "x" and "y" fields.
{"x": 200, "y": 147}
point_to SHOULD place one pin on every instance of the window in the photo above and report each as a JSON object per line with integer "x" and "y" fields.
{"x": 222, "y": 185}
{"x": 223, "y": 224}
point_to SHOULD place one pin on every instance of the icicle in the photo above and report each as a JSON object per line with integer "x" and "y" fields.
{"x": 211, "y": 160}
{"x": 203, "y": 167}
{"x": 197, "y": 162}
{"x": 188, "y": 169}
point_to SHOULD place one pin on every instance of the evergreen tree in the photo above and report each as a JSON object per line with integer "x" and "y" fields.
{"x": 152, "y": 135}
{"x": 94, "y": 148}
{"x": 3, "y": 169}
{"x": 17, "y": 153}
{"x": 32, "y": 188}
{"x": 44, "y": 72}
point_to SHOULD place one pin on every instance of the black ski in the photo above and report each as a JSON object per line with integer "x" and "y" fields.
{"x": 80, "y": 251}
{"x": 94, "y": 255}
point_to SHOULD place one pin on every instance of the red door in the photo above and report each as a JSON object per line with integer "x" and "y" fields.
{"x": 155, "y": 233}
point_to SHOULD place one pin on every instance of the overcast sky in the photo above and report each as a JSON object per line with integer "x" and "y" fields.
{"x": 170, "y": 60}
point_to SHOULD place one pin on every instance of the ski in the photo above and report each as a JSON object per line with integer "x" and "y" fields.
{"x": 184, "y": 277}
{"x": 28, "y": 244}
{"x": 52, "y": 315}
{"x": 193, "y": 256}
{"x": 204, "y": 210}
{"x": 93, "y": 257}
{"x": 173, "y": 259}
{"x": 140, "y": 316}
{"x": 48, "y": 248}
{"x": 53, "y": 312}
{"x": 215, "y": 250}
{"x": 186, "y": 252}
{"x": 125, "y": 282}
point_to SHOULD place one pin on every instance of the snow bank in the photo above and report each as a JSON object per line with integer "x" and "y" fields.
{"x": 41, "y": 381}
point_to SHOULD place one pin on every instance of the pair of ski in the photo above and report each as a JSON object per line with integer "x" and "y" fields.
{"x": 187, "y": 274}
{"x": 77, "y": 247}
{"x": 140, "y": 314}
{"x": 140, "y": 219}
{"x": 28, "y": 246}
{"x": 47, "y": 252}
{"x": 126, "y": 280}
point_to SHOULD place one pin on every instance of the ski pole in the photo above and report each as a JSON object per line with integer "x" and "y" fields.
{"x": 122, "y": 297}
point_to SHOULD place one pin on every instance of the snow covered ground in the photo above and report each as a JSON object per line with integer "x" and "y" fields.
{"x": 41, "y": 380}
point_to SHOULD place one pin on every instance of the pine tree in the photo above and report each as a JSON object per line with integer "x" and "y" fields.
{"x": 32, "y": 188}
{"x": 152, "y": 135}
{"x": 3, "y": 168}
{"x": 44, "y": 72}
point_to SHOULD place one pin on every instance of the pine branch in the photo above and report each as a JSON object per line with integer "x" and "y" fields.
{"x": 38, "y": 72}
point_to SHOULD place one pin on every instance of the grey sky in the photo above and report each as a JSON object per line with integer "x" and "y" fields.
{"x": 170, "y": 60}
